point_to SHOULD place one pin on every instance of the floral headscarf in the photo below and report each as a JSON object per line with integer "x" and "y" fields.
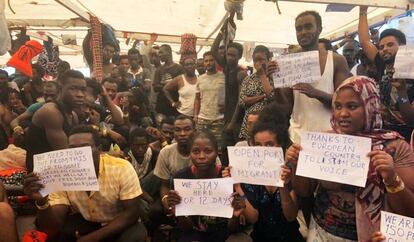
{"x": 368, "y": 200}
{"x": 367, "y": 90}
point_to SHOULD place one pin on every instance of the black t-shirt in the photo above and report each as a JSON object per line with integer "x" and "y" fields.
{"x": 272, "y": 224}
{"x": 232, "y": 91}
{"x": 380, "y": 64}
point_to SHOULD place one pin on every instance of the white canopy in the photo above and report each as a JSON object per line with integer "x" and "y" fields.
{"x": 170, "y": 18}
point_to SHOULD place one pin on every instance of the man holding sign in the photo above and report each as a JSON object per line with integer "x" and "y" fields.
{"x": 311, "y": 102}
{"x": 110, "y": 214}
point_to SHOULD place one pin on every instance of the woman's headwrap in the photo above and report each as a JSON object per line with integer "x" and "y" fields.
{"x": 367, "y": 90}
{"x": 369, "y": 200}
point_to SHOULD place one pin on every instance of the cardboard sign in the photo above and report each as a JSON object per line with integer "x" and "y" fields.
{"x": 397, "y": 227}
{"x": 208, "y": 197}
{"x": 297, "y": 68}
{"x": 334, "y": 157}
{"x": 404, "y": 65}
{"x": 66, "y": 170}
{"x": 256, "y": 165}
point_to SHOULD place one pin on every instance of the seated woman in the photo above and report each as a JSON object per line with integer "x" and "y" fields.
{"x": 272, "y": 210}
{"x": 347, "y": 213}
{"x": 204, "y": 228}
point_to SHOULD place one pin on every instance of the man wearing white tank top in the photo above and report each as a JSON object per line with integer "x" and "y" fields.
{"x": 312, "y": 102}
{"x": 185, "y": 85}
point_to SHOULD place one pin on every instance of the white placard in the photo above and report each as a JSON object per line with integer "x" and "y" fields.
{"x": 404, "y": 65}
{"x": 208, "y": 197}
{"x": 297, "y": 68}
{"x": 397, "y": 227}
{"x": 256, "y": 165}
{"x": 334, "y": 157}
{"x": 66, "y": 170}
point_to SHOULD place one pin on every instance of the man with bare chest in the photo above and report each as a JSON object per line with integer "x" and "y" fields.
{"x": 52, "y": 122}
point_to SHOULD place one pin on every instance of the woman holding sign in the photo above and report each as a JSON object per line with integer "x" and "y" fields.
{"x": 272, "y": 210}
{"x": 347, "y": 213}
{"x": 257, "y": 89}
{"x": 204, "y": 152}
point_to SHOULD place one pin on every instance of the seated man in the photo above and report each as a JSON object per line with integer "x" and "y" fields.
{"x": 140, "y": 154}
{"x": 164, "y": 135}
{"x": 176, "y": 156}
{"x": 110, "y": 214}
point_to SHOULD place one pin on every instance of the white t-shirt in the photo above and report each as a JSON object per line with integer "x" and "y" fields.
{"x": 211, "y": 89}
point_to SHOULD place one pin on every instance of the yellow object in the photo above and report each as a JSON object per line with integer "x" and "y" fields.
{"x": 395, "y": 189}
{"x": 44, "y": 206}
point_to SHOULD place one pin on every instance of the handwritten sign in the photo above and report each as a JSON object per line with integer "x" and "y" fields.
{"x": 396, "y": 227}
{"x": 208, "y": 197}
{"x": 404, "y": 65}
{"x": 66, "y": 170}
{"x": 297, "y": 68}
{"x": 256, "y": 165}
{"x": 334, "y": 157}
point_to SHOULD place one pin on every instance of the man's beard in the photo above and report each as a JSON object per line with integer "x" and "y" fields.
{"x": 390, "y": 60}
{"x": 309, "y": 45}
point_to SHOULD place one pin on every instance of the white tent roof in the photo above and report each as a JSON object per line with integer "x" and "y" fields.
{"x": 171, "y": 18}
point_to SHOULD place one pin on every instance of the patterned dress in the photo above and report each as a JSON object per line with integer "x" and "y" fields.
{"x": 251, "y": 87}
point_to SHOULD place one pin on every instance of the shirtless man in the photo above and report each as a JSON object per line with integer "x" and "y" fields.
{"x": 52, "y": 123}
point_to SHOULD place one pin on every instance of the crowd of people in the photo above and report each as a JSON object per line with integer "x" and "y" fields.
{"x": 151, "y": 120}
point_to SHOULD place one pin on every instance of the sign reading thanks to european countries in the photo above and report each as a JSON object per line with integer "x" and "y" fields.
{"x": 396, "y": 227}
{"x": 404, "y": 65}
{"x": 66, "y": 170}
{"x": 256, "y": 165}
{"x": 297, "y": 68}
{"x": 208, "y": 197}
{"x": 334, "y": 157}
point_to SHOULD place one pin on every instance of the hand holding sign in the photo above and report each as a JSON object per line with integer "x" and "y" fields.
{"x": 384, "y": 165}
{"x": 334, "y": 157}
{"x": 32, "y": 186}
{"x": 377, "y": 237}
{"x": 307, "y": 89}
{"x": 292, "y": 154}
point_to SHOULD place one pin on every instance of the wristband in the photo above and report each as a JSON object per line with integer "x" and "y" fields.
{"x": 17, "y": 127}
{"x": 42, "y": 207}
{"x": 164, "y": 198}
{"x": 394, "y": 189}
